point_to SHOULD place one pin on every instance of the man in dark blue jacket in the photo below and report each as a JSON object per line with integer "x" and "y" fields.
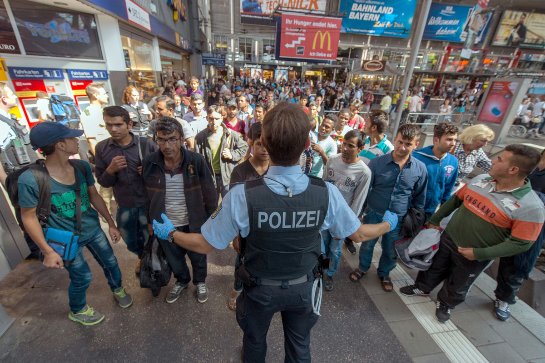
{"x": 179, "y": 184}
{"x": 441, "y": 165}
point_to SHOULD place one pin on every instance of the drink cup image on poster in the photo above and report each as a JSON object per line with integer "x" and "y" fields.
{"x": 497, "y": 103}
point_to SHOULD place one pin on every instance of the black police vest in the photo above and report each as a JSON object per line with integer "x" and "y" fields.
{"x": 284, "y": 242}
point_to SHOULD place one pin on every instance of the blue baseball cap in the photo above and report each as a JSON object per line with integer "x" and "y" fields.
{"x": 238, "y": 88}
{"x": 47, "y": 133}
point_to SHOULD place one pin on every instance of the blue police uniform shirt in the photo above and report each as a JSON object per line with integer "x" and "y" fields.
{"x": 231, "y": 218}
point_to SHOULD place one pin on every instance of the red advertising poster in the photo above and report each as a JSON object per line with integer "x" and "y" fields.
{"x": 309, "y": 37}
{"x": 497, "y": 102}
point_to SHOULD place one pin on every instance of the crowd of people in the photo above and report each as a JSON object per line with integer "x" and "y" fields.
{"x": 268, "y": 169}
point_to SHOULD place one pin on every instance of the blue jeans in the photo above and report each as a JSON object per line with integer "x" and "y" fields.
{"x": 133, "y": 225}
{"x": 332, "y": 249}
{"x": 80, "y": 274}
{"x": 388, "y": 257}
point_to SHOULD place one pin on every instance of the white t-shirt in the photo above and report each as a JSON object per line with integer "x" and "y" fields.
{"x": 93, "y": 124}
{"x": 352, "y": 180}
{"x": 415, "y": 104}
{"x": 42, "y": 104}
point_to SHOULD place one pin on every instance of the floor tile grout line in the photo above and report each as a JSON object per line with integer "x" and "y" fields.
{"x": 450, "y": 350}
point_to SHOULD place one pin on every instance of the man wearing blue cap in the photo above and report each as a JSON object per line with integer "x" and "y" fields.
{"x": 73, "y": 196}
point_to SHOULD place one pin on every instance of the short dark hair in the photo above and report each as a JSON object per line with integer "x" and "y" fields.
{"x": 379, "y": 119}
{"x": 285, "y": 133}
{"x": 168, "y": 125}
{"x": 444, "y": 128}
{"x": 259, "y": 105}
{"x": 254, "y": 132}
{"x": 331, "y": 117}
{"x": 408, "y": 131}
{"x": 525, "y": 158}
{"x": 49, "y": 149}
{"x": 358, "y": 134}
{"x": 117, "y": 111}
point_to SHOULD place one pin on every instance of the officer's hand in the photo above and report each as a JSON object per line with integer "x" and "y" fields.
{"x": 118, "y": 163}
{"x": 467, "y": 252}
{"x": 391, "y": 218}
{"x": 162, "y": 230}
{"x": 53, "y": 260}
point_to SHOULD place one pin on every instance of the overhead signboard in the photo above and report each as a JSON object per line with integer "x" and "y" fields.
{"x": 213, "y": 59}
{"x": 308, "y": 37}
{"x": 76, "y": 74}
{"x": 35, "y": 73}
{"x": 521, "y": 29}
{"x": 451, "y": 23}
{"x": 373, "y": 66}
{"x": 388, "y": 18}
{"x": 137, "y": 15}
{"x": 264, "y": 11}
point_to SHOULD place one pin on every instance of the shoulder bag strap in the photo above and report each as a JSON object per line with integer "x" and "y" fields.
{"x": 78, "y": 167}
{"x": 139, "y": 143}
{"x": 43, "y": 209}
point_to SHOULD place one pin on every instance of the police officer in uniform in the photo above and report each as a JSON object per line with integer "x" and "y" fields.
{"x": 279, "y": 217}
{"x": 15, "y": 149}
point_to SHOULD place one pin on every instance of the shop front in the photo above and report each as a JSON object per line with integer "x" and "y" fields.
{"x": 138, "y": 51}
{"x": 63, "y": 42}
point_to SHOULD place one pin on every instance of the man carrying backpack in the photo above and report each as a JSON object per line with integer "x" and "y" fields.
{"x": 15, "y": 149}
{"x": 72, "y": 196}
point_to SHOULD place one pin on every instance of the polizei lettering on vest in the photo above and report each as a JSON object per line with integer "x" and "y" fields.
{"x": 287, "y": 220}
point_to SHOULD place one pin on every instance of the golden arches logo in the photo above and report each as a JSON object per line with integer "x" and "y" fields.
{"x": 322, "y": 36}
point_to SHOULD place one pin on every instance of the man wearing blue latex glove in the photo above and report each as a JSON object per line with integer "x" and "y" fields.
{"x": 279, "y": 218}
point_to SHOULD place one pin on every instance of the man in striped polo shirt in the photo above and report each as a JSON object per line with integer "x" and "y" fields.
{"x": 377, "y": 143}
{"x": 497, "y": 215}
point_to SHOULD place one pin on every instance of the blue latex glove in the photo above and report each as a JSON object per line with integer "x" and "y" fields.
{"x": 162, "y": 230}
{"x": 389, "y": 217}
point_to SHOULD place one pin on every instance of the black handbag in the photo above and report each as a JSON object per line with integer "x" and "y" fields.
{"x": 154, "y": 271}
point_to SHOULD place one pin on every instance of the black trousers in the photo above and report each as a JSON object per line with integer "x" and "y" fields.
{"x": 455, "y": 270}
{"x": 176, "y": 259}
{"x": 509, "y": 280}
{"x": 256, "y": 307}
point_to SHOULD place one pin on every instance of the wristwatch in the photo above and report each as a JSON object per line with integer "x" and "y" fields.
{"x": 171, "y": 236}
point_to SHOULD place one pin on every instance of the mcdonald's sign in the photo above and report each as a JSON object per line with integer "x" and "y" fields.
{"x": 322, "y": 36}
{"x": 307, "y": 37}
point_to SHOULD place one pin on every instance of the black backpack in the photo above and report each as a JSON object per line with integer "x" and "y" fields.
{"x": 43, "y": 209}
{"x": 154, "y": 271}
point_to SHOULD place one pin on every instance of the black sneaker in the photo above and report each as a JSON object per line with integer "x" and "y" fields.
{"x": 328, "y": 283}
{"x": 442, "y": 312}
{"x": 412, "y": 290}
{"x": 350, "y": 246}
{"x": 175, "y": 292}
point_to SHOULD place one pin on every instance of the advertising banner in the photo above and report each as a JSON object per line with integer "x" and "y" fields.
{"x": 451, "y": 23}
{"x": 263, "y": 11}
{"x": 308, "y": 37}
{"x": 137, "y": 15}
{"x": 388, "y": 18}
{"x": 498, "y": 100}
{"x": 8, "y": 42}
{"x": 63, "y": 33}
{"x": 521, "y": 29}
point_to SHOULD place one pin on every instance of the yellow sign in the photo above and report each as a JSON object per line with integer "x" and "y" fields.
{"x": 322, "y": 36}
{"x": 3, "y": 73}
